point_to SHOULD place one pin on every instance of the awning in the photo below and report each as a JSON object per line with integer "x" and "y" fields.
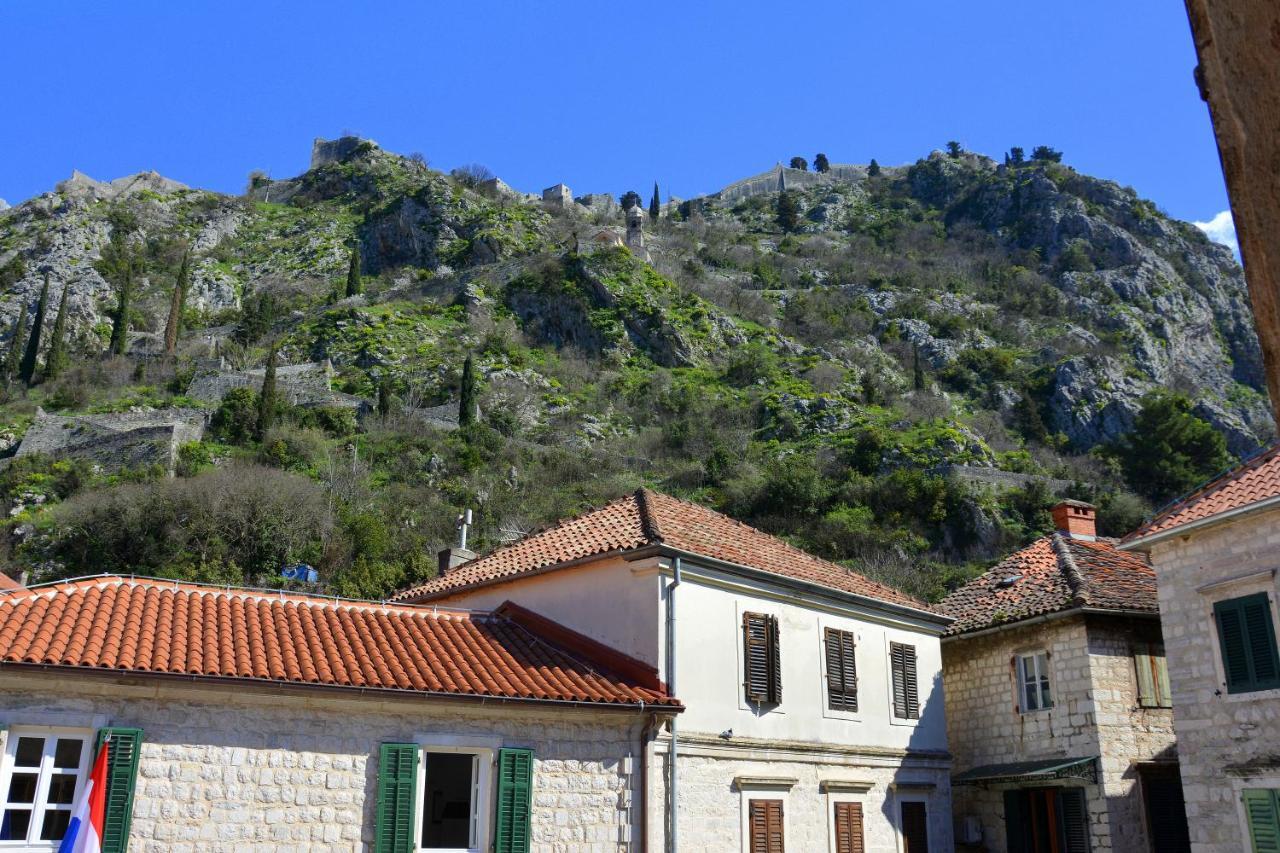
{"x": 1029, "y": 772}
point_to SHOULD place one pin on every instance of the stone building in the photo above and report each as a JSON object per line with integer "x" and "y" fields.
{"x": 1058, "y": 706}
{"x": 1216, "y": 555}
{"x": 558, "y": 196}
{"x": 270, "y": 721}
{"x": 814, "y": 717}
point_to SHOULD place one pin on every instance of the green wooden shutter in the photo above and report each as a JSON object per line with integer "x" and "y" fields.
{"x": 1160, "y": 669}
{"x": 1146, "y": 681}
{"x": 123, "y": 756}
{"x": 512, "y": 833}
{"x": 397, "y": 798}
{"x": 1074, "y": 820}
{"x": 1263, "y": 814}
{"x": 1247, "y": 639}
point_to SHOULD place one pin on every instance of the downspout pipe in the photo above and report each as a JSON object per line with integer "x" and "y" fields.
{"x": 673, "y": 753}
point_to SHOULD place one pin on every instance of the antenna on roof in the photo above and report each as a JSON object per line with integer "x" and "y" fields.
{"x": 464, "y": 524}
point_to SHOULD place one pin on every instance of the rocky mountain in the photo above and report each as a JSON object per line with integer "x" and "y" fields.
{"x": 841, "y": 371}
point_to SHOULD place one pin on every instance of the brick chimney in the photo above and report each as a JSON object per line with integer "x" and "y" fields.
{"x": 451, "y": 558}
{"x": 1076, "y": 519}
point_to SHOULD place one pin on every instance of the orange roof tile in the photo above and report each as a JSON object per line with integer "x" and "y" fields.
{"x": 1053, "y": 573}
{"x": 7, "y": 582}
{"x": 155, "y": 626}
{"x": 1253, "y": 481}
{"x": 649, "y": 518}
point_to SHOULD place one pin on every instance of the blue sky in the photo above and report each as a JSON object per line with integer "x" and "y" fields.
{"x": 605, "y": 97}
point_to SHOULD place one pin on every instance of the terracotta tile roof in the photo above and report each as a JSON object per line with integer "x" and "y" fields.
{"x": 1053, "y": 573}
{"x": 7, "y": 582}
{"x": 154, "y": 626}
{"x": 1254, "y": 480}
{"x": 650, "y": 518}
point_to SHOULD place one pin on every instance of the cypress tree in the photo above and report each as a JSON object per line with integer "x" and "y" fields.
{"x": 788, "y": 212}
{"x": 467, "y": 394}
{"x": 56, "y": 361}
{"x": 13, "y": 360}
{"x": 917, "y": 372}
{"x": 173, "y": 326}
{"x": 28, "y": 371}
{"x": 384, "y": 397}
{"x": 353, "y": 275}
{"x": 120, "y": 323}
{"x": 873, "y": 170}
{"x": 267, "y": 399}
{"x": 654, "y": 208}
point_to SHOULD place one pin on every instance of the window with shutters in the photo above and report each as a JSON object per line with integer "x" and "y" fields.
{"x": 847, "y": 829}
{"x": 906, "y": 688}
{"x": 1247, "y": 642}
{"x": 914, "y": 826}
{"x": 761, "y": 659}
{"x": 124, "y": 754}
{"x": 1032, "y": 672}
{"x": 765, "y": 826}
{"x": 1262, "y": 814}
{"x": 41, "y": 773}
{"x": 433, "y": 797}
{"x": 841, "y": 669}
{"x": 1153, "y": 676}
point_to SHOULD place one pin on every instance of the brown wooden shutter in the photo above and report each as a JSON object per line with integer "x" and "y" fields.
{"x": 906, "y": 691}
{"x": 765, "y": 826}
{"x": 915, "y": 828}
{"x": 755, "y": 656}
{"x": 842, "y": 670}
{"x": 849, "y": 828}
{"x": 761, "y": 658}
{"x": 775, "y": 662}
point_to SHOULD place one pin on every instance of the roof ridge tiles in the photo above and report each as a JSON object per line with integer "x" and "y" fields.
{"x": 648, "y": 522}
{"x": 1067, "y": 563}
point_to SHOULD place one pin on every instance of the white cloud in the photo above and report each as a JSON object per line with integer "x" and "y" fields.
{"x": 1221, "y": 229}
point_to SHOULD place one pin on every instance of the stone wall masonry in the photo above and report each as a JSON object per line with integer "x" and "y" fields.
{"x": 712, "y": 799}
{"x": 1226, "y": 742}
{"x": 1095, "y": 713}
{"x": 250, "y": 770}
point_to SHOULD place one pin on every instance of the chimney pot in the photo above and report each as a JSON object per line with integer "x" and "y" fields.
{"x": 1076, "y": 519}
{"x": 451, "y": 558}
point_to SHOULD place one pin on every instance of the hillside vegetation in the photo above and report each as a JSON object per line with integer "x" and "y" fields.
{"x": 831, "y": 365}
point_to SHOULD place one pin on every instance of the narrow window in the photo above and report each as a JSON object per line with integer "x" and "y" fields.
{"x": 915, "y": 827}
{"x": 761, "y": 658}
{"x": 906, "y": 691}
{"x": 1153, "y": 676}
{"x": 1033, "y": 681}
{"x": 848, "y": 828}
{"x": 44, "y": 770}
{"x": 842, "y": 670}
{"x": 765, "y": 826}
{"x": 1248, "y": 643}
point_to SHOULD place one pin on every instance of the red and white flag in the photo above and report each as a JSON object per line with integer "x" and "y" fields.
{"x": 84, "y": 833}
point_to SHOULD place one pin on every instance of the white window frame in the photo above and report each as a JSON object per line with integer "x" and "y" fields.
{"x": 763, "y": 788}
{"x": 1043, "y": 680}
{"x": 39, "y": 807}
{"x": 902, "y": 640}
{"x": 482, "y": 794}
{"x": 900, "y": 842}
{"x": 840, "y": 791}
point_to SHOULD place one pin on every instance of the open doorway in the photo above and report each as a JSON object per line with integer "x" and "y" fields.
{"x": 1166, "y": 812}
